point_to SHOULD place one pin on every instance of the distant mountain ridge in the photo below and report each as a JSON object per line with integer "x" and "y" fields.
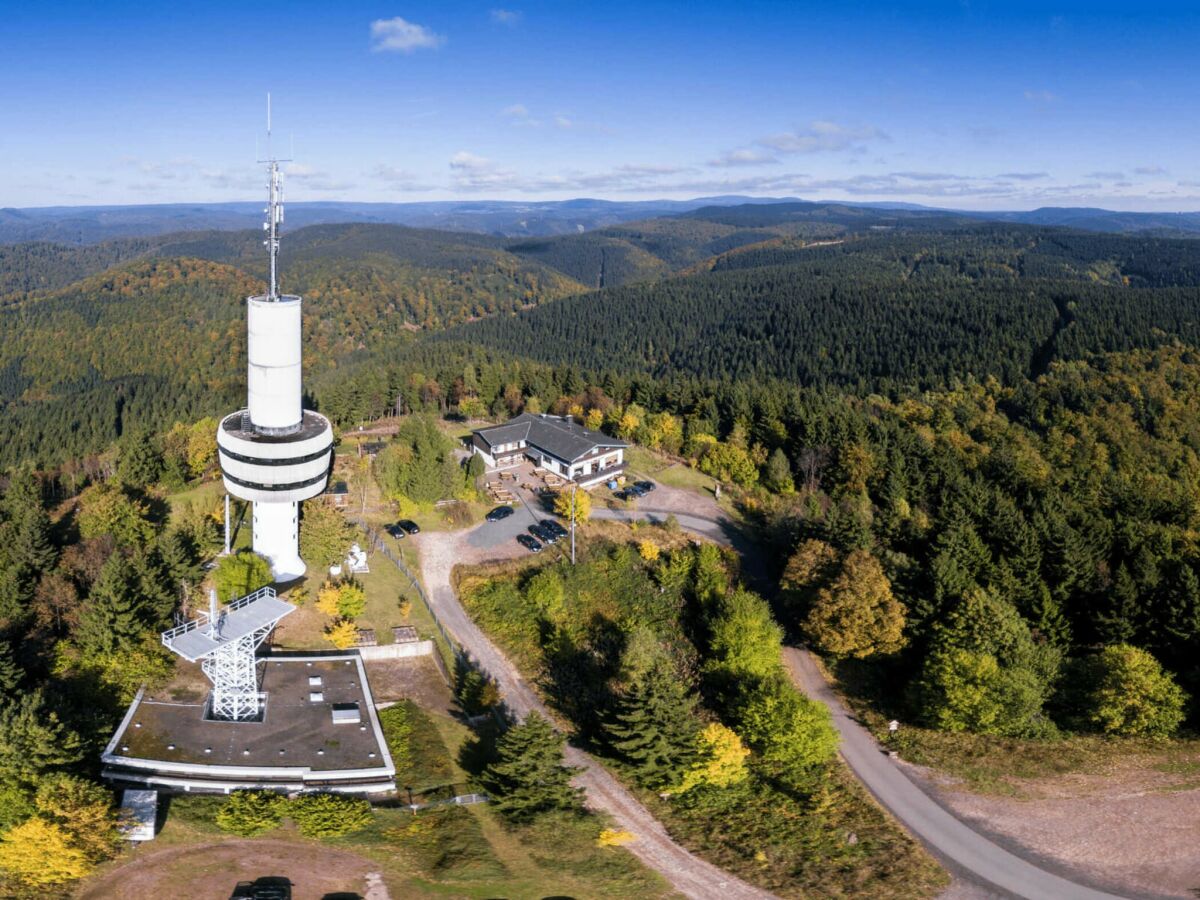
{"x": 515, "y": 219}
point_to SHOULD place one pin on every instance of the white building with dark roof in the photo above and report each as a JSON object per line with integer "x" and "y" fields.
{"x": 556, "y": 444}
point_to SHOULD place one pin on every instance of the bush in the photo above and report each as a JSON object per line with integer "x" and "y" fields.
{"x": 341, "y": 633}
{"x": 239, "y": 574}
{"x": 247, "y": 813}
{"x": 329, "y": 815}
{"x": 786, "y": 727}
{"x": 1129, "y": 693}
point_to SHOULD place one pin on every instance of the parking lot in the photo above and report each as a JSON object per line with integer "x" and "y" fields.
{"x": 529, "y": 506}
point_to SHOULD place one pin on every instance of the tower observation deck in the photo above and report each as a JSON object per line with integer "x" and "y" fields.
{"x": 274, "y": 453}
{"x": 224, "y": 641}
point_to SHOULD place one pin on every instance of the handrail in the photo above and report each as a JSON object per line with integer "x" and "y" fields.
{"x": 202, "y": 615}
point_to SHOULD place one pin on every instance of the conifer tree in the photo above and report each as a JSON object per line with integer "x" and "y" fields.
{"x": 114, "y": 617}
{"x": 528, "y": 777}
{"x": 655, "y": 727}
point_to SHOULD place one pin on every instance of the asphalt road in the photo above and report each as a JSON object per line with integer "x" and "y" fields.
{"x": 963, "y": 850}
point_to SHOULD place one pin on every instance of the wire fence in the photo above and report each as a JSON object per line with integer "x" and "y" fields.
{"x": 380, "y": 546}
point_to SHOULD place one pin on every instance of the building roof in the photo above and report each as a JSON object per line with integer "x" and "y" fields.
{"x": 559, "y": 436}
{"x": 166, "y": 729}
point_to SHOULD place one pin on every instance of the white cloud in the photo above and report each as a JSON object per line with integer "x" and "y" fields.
{"x": 507, "y": 17}
{"x": 402, "y": 36}
{"x": 1150, "y": 170}
{"x": 822, "y": 137}
{"x": 743, "y": 157}
{"x": 516, "y": 111}
{"x": 1043, "y": 97}
{"x": 563, "y": 122}
{"x": 399, "y": 179}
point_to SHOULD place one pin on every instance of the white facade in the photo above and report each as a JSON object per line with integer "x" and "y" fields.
{"x": 273, "y": 362}
{"x": 275, "y": 453}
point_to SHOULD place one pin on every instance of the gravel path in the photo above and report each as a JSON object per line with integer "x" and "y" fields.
{"x": 688, "y": 874}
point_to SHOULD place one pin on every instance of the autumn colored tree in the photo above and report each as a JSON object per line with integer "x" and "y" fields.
{"x": 580, "y": 507}
{"x": 42, "y": 853}
{"x": 857, "y": 615}
{"x": 720, "y": 759}
{"x": 1128, "y": 693}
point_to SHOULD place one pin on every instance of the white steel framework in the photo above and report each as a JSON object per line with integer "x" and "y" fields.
{"x": 225, "y": 642}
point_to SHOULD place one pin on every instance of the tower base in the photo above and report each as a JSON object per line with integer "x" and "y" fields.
{"x": 277, "y": 537}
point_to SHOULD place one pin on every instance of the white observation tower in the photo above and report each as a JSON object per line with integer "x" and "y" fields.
{"x": 274, "y": 452}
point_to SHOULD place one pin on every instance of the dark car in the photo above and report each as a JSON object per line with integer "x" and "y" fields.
{"x": 395, "y": 531}
{"x": 499, "y": 513}
{"x": 529, "y": 543}
{"x": 267, "y": 888}
{"x": 409, "y": 526}
{"x": 645, "y": 486}
{"x": 543, "y": 533}
{"x": 555, "y": 529}
{"x": 633, "y": 491}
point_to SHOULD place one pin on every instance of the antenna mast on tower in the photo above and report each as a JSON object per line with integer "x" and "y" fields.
{"x": 274, "y": 210}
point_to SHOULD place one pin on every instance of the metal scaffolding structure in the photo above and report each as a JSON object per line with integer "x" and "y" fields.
{"x": 224, "y": 641}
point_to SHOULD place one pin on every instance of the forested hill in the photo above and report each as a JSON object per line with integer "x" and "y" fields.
{"x": 88, "y": 349}
{"x": 877, "y": 310}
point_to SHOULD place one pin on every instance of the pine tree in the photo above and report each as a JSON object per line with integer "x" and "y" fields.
{"x": 114, "y": 616}
{"x": 655, "y": 727}
{"x": 32, "y": 740}
{"x": 528, "y": 777}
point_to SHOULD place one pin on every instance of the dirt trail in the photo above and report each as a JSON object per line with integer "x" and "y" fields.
{"x": 688, "y": 874}
{"x": 212, "y": 871}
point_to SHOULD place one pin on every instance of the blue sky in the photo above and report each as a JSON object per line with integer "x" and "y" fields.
{"x": 982, "y": 105}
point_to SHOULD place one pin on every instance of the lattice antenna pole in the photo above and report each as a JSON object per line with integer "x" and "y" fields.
{"x": 274, "y": 210}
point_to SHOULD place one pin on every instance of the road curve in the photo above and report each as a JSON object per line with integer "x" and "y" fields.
{"x": 686, "y": 873}
{"x": 952, "y": 840}
{"x": 956, "y": 844}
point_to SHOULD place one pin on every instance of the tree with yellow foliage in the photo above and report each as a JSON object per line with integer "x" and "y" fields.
{"x": 594, "y": 419}
{"x": 582, "y": 505}
{"x": 648, "y": 550}
{"x": 84, "y": 810}
{"x": 720, "y": 761}
{"x": 856, "y": 614}
{"x": 40, "y": 852}
{"x": 329, "y": 598}
{"x": 341, "y": 633}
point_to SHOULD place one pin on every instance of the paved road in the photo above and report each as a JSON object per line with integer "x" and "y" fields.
{"x": 962, "y": 849}
{"x": 688, "y": 874}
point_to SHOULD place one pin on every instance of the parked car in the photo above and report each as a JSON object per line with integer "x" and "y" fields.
{"x": 395, "y": 531}
{"x": 633, "y": 492}
{"x": 270, "y": 887}
{"x": 529, "y": 543}
{"x": 645, "y": 486}
{"x": 555, "y": 528}
{"x": 543, "y": 533}
{"x": 410, "y": 526}
{"x": 499, "y": 514}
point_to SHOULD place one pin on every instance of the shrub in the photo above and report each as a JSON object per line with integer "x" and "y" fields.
{"x": 648, "y": 550}
{"x": 329, "y": 815}
{"x": 247, "y": 813}
{"x": 611, "y": 838}
{"x": 1130, "y": 694}
{"x": 239, "y": 574}
{"x": 721, "y": 759}
{"x": 40, "y": 852}
{"x": 341, "y": 633}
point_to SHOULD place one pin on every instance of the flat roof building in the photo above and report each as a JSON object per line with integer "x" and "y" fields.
{"x": 331, "y": 743}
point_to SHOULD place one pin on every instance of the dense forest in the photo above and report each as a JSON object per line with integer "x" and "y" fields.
{"x": 877, "y": 312}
